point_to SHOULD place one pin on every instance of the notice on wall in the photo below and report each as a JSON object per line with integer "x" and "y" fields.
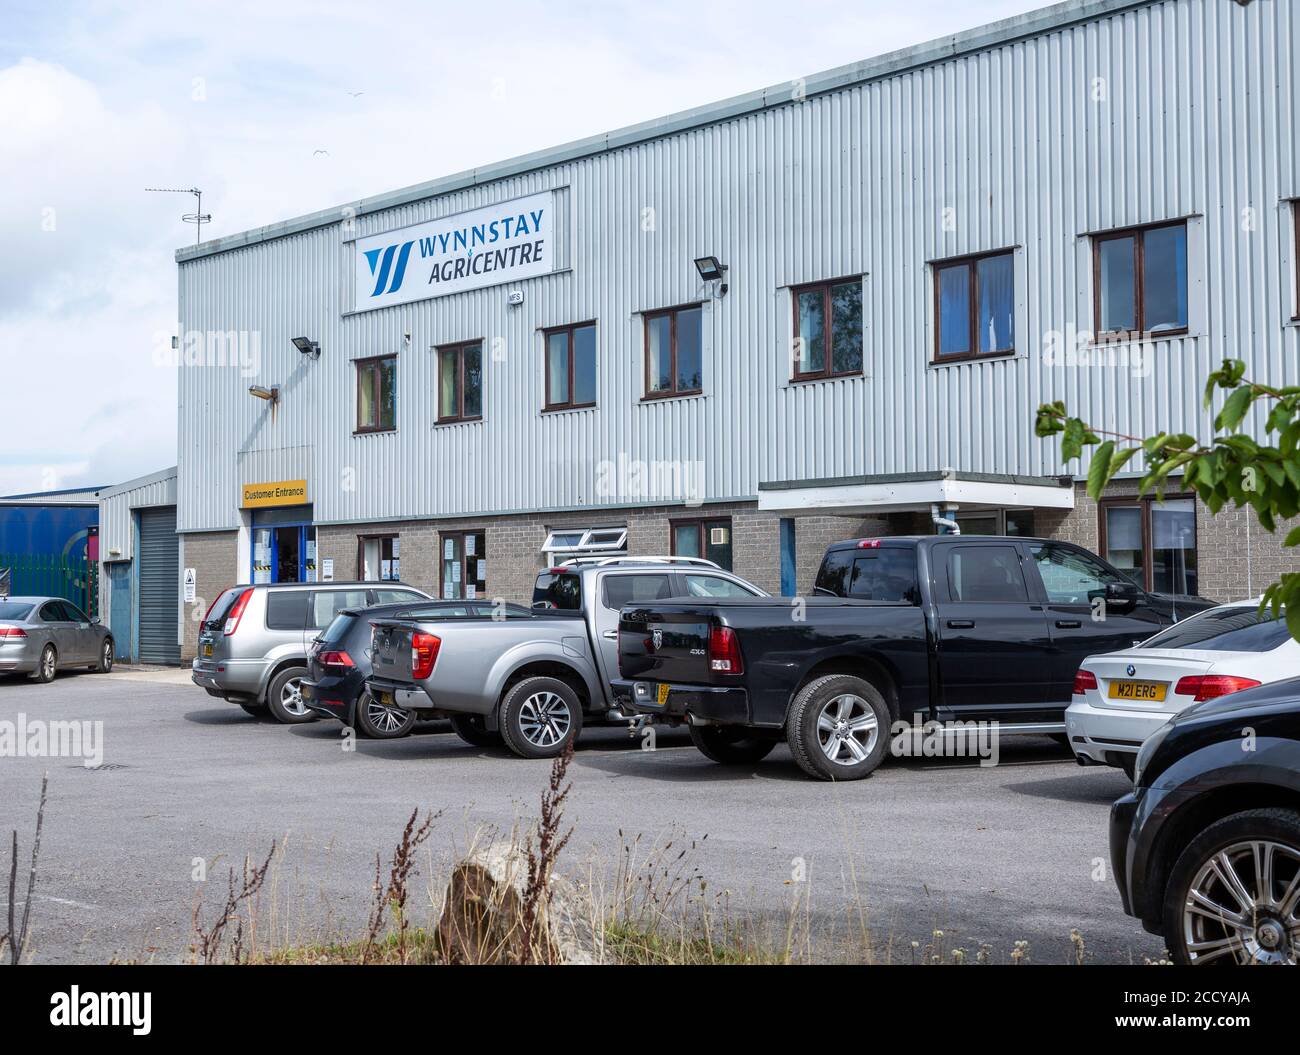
{"x": 327, "y": 570}
{"x": 484, "y": 247}
{"x": 469, "y": 545}
{"x": 449, "y": 549}
{"x": 191, "y": 585}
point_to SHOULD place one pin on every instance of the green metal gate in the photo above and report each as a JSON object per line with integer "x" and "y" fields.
{"x": 74, "y": 579}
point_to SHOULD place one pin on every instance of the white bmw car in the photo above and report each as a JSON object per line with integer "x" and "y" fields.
{"x": 1120, "y": 698}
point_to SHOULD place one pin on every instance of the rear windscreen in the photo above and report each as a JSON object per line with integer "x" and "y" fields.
{"x": 558, "y": 590}
{"x": 883, "y": 574}
{"x": 221, "y": 610}
{"x": 14, "y": 610}
{"x": 1235, "y": 629}
{"x": 338, "y": 629}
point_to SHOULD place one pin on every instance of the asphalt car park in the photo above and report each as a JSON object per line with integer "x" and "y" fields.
{"x": 990, "y": 855}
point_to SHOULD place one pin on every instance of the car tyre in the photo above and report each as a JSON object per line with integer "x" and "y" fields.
{"x": 378, "y": 721}
{"x": 730, "y": 745}
{"x": 540, "y": 717}
{"x": 472, "y": 728}
{"x": 838, "y": 728}
{"x": 105, "y": 664}
{"x": 1264, "y": 932}
{"x": 284, "y": 697}
{"x": 46, "y": 666}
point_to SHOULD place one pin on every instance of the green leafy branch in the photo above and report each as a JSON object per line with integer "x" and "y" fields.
{"x": 1231, "y": 468}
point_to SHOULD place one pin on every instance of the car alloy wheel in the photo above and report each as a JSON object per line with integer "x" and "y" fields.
{"x": 291, "y": 698}
{"x": 544, "y": 719}
{"x": 106, "y": 657}
{"x": 1243, "y": 906}
{"x": 383, "y": 718}
{"x": 847, "y": 729}
{"x": 48, "y": 663}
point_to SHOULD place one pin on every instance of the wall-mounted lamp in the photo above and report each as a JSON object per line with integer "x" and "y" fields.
{"x": 307, "y": 346}
{"x": 271, "y": 395}
{"x": 712, "y": 269}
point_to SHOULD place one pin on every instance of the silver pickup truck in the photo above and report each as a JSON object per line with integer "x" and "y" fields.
{"x": 529, "y": 681}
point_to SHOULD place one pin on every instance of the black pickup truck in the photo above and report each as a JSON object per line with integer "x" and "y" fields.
{"x": 928, "y": 628}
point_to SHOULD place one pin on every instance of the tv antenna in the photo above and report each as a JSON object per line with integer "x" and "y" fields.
{"x": 198, "y": 217}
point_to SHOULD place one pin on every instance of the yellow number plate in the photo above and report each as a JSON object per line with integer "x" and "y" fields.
{"x": 1138, "y": 690}
{"x": 386, "y": 698}
{"x": 662, "y": 694}
{"x": 207, "y": 651}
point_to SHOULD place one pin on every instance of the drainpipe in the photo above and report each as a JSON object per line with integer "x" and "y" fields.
{"x": 942, "y": 518}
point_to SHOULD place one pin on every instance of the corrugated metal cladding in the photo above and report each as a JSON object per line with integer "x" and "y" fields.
{"x": 1180, "y": 108}
{"x": 159, "y": 572}
{"x": 116, "y": 530}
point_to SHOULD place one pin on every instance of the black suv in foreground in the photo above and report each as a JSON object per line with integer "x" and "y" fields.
{"x": 1206, "y": 848}
{"x": 944, "y": 627}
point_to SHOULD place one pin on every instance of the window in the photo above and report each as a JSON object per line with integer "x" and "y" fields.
{"x": 326, "y": 604}
{"x": 674, "y": 341}
{"x": 377, "y": 394}
{"x": 1070, "y": 576}
{"x": 985, "y": 574}
{"x": 74, "y": 614}
{"x": 571, "y": 367}
{"x": 884, "y": 574}
{"x": 828, "y": 330}
{"x": 14, "y": 611}
{"x": 380, "y": 557}
{"x": 397, "y": 597}
{"x": 713, "y": 586}
{"x": 1153, "y": 544}
{"x": 1231, "y": 628}
{"x": 710, "y": 539}
{"x": 589, "y": 542}
{"x": 1140, "y": 281}
{"x": 974, "y": 306}
{"x": 464, "y": 565}
{"x": 287, "y": 609}
{"x": 460, "y": 382}
{"x": 633, "y": 589}
{"x": 558, "y": 590}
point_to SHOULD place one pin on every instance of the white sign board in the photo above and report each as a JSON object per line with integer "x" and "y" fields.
{"x": 191, "y": 585}
{"x": 327, "y": 570}
{"x": 483, "y": 247}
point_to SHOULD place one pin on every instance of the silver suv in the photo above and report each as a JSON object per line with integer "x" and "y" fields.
{"x": 254, "y": 640}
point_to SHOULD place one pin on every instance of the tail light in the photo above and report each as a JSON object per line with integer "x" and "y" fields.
{"x": 1083, "y": 681}
{"x": 237, "y": 613}
{"x": 1212, "y": 686}
{"x": 869, "y": 543}
{"x": 335, "y": 659}
{"x": 724, "y": 651}
{"x": 424, "y": 654}
{"x": 12, "y": 631}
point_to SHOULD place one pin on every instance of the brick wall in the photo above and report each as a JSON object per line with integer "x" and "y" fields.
{"x": 214, "y": 558}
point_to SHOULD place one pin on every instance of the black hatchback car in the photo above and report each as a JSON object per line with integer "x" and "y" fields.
{"x": 1206, "y": 848}
{"x": 338, "y": 662}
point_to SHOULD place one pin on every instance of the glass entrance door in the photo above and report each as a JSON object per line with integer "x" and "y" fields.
{"x": 284, "y": 553}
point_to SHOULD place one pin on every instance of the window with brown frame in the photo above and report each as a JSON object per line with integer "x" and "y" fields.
{"x": 1140, "y": 282}
{"x": 570, "y": 366}
{"x": 1151, "y": 542}
{"x": 1295, "y": 223}
{"x": 460, "y": 382}
{"x": 827, "y": 329}
{"x": 674, "y": 352}
{"x": 377, "y": 394}
{"x": 464, "y": 565}
{"x": 707, "y": 538}
{"x": 974, "y": 306}
{"x": 379, "y": 558}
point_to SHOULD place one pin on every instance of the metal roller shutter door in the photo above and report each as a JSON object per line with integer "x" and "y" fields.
{"x": 159, "y": 563}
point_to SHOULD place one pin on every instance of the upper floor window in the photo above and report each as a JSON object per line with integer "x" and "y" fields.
{"x": 1140, "y": 281}
{"x": 674, "y": 342}
{"x": 571, "y": 367}
{"x": 975, "y": 306}
{"x": 460, "y": 382}
{"x": 377, "y": 394}
{"x": 828, "y": 329}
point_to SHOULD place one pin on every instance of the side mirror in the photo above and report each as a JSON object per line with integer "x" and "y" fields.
{"x": 1123, "y": 596}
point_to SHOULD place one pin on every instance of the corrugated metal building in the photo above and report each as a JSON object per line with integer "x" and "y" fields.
{"x": 875, "y": 274}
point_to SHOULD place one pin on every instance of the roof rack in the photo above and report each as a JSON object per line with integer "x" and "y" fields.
{"x": 601, "y": 562}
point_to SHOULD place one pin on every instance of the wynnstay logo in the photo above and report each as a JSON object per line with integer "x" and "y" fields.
{"x": 381, "y": 266}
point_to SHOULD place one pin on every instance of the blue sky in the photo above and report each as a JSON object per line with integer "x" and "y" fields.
{"x": 280, "y": 108}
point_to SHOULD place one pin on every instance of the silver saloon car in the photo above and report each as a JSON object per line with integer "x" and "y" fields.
{"x": 41, "y": 635}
